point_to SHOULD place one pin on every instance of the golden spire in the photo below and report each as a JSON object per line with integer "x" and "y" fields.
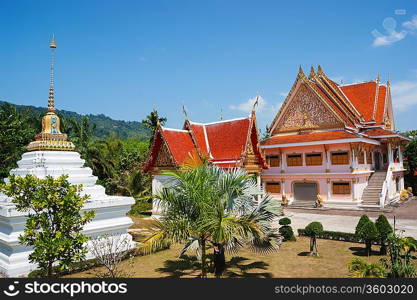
{"x": 300, "y": 72}
{"x": 312, "y": 73}
{"x": 51, "y": 100}
{"x": 319, "y": 70}
{"x": 51, "y": 138}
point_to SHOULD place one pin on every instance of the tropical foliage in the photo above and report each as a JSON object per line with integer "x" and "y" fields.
{"x": 410, "y": 160}
{"x": 54, "y": 222}
{"x": 208, "y": 206}
{"x": 359, "y": 268}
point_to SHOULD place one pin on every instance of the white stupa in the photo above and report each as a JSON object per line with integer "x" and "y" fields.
{"x": 52, "y": 154}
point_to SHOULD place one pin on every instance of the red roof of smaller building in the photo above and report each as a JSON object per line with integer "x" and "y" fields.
{"x": 179, "y": 143}
{"x": 380, "y": 132}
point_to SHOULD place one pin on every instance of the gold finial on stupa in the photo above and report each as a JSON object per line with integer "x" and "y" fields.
{"x": 51, "y": 137}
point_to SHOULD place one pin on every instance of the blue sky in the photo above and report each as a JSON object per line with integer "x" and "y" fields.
{"x": 123, "y": 58}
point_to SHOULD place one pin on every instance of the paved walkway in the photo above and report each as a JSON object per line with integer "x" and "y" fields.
{"x": 345, "y": 223}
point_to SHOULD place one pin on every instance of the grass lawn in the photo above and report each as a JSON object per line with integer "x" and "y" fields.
{"x": 291, "y": 260}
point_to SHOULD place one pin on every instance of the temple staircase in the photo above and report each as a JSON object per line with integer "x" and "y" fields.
{"x": 372, "y": 192}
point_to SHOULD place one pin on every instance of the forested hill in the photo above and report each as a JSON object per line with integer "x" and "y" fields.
{"x": 104, "y": 125}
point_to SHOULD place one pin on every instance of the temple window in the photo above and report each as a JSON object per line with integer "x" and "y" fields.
{"x": 369, "y": 157}
{"x": 340, "y": 158}
{"x": 294, "y": 160}
{"x": 273, "y": 187}
{"x": 361, "y": 157}
{"x": 384, "y": 158}
{"x": 341, "y": 188}
{"x": 272, "y": 160}
{"x": 314, "y": 159}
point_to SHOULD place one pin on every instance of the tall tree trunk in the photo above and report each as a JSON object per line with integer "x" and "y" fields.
{"x": 219, "y": 260}
{"x": 203, "y": 258}
{"x": 311, "y": 245}
{"x": 383, "y": 250}
{"x": 368, "y": 247}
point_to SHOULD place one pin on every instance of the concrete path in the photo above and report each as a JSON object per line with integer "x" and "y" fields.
{"x": 345, "y": 223}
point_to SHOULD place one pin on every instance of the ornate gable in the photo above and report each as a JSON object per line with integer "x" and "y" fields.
{"x": 305, "y": 111}
{"x": 164, "y": 158}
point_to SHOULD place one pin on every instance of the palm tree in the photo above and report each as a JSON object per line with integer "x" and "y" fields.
{"x": 152, "y": 121}
{"x": 208, "y": 205}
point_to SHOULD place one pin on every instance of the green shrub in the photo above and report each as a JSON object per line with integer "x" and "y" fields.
{"x": 287, "y": 233}
{"x": 364, "y": 219}
{"x": 384, "y": 229}
{"x": 313, "y": 230}
{"x": 284, "y": 221}
{"x": 368, "y": 233}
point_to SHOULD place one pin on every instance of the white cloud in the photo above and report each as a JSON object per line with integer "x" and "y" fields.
{"x": 404, "y": 94}
{"x": 386, "y": 40}
{"x": 412, "y": 24}
{"x": 247, "y": 105}
{"x": 265, "y": 112}
{"x": 392, "y": 36}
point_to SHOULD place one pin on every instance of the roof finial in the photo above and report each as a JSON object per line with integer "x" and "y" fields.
{"x": 255, "y": 103}
{"x": 221, "y": 114}
{"x": 378, "y": 78}
{"x": 319, "y": 70}
{"x": 389, "y": 80}
{"x": 184, "y": 112}
{"x": 312, "y": 73}
{"x": 51, "y": 100}
{"x": 301, "y": 72}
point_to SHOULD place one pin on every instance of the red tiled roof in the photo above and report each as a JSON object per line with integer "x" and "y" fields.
{"x": 309, "y": 137}
{"x": 379, "y": 117}
{"x": 362, "y": 95}
{"x": 200, "y": 137}
{"x": 227, "y": 140}
{"x": 375, "y": 132}
{"x": 180, "y": 144}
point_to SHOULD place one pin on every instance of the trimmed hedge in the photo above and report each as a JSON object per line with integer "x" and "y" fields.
{"x": 337, "y": 236}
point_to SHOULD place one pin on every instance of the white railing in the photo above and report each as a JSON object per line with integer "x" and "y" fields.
{"x": 385, "y": 187}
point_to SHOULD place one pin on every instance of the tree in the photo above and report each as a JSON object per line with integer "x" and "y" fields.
{"x": 285, "y": 230}
{"x": 109, "y": 251}
{"x": 208, "y": 205}
{"x": 384, "y": 229}
{"x": 363, "y": 220}
{"x": 17, "y": 129}
{"x": 410, "y": 159}
{"x": 368, "y": 233}
{"x": 313, "y": 230}
{"x": 359, "y": 268}
{"x": 152, "y": 121}
{"x": 54, "y": 220}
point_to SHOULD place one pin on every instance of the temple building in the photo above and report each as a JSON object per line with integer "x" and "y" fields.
{"x": 227, "y": 144}
{"x": 332, "y": 143}
{"x": 336, "y": 141}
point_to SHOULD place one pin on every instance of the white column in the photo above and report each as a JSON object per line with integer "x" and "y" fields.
{"x": 353, "y": 189}
{"x": 258, "y": 181}
{"x": 390, "y": 154}
{"x": 400, "y": 156}
{"x": 283, "y": 163}
{"x": 354, "y": 162}
{"x": 329, "y": 189}
{"x": 327, "y": 161}
{"x": 282, "y": 187}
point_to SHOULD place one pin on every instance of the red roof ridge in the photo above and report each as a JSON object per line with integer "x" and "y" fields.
{"x": 219, "y": 122}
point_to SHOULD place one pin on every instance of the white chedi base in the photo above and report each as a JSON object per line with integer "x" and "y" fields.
{"x": 110, "y": 218}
